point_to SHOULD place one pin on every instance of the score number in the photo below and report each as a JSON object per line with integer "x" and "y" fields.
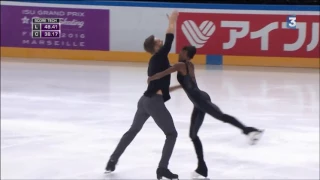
{"x": 46, "y": 34}
{"x": 50, "y": 34}
{"x": 55, "y": 34}
{"x": 46, "y": 28}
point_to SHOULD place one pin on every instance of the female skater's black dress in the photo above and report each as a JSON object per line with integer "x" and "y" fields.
{"x": 200, "y": 99}
{"x": 202, "y": 105}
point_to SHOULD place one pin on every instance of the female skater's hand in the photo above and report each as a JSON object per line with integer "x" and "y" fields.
{"x": 173, "y": 88}
{"x": 149, "y": 79}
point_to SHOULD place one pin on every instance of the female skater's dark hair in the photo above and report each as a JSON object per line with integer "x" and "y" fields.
{"x": 191, "y": 51}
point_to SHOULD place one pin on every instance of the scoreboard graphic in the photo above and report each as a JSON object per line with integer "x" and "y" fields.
{"x": 46, "y": 28}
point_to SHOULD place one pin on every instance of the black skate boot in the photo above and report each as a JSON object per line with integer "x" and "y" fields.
{"x": 111, "y": 166}
{"x": 202, "y": 170}
{"x": 166, "y": 173}
{"x": 253, "y": 134}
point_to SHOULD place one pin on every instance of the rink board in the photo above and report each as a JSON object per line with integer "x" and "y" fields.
{"x": 112, "y": 40}
{"x": 144, "y": 57}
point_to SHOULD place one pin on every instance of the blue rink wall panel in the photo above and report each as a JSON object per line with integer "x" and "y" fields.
{"x": 188, "y": 5}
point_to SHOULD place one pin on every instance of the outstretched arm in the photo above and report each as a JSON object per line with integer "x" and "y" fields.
{"x": 172, "y": 22}
{"x": 170, "y": 70}
{"x": 165, "y": 49}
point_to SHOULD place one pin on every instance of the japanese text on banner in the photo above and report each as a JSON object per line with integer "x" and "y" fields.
{"x": 249, "y": 34}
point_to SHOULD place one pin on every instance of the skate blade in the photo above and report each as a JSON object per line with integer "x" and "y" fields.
{"x": 254, "y": 137}
{"x": 108, "y": 172}
{"x": 197, "y": 176}
{"x": 163, "y": 178}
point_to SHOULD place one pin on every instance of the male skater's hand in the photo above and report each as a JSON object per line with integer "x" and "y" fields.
{"x": 172, "y": 21}
{"x": 174, "y": 16}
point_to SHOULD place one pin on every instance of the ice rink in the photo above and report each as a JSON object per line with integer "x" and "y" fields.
{"x": 62, "y": 120}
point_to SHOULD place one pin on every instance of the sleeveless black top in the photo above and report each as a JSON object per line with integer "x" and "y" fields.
{"x": 196, "y": 96}
{"x": 189, "y": 86}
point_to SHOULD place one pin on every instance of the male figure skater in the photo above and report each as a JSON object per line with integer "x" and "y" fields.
{"x": 152, "y": 103}
{"x": 202, "y": 105}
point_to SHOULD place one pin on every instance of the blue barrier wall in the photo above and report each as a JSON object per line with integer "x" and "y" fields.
{"x": 189, "y": 5}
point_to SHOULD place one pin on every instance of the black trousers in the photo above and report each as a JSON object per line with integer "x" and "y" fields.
{"x": 202, "y": 105}
{"x": 154, "y": 107}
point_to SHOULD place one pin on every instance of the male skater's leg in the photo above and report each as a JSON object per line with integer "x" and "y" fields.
{"x": 140, "y": 118}
{"x": 163, "y": 119}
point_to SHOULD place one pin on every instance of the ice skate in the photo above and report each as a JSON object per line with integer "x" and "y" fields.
{"x": 196, "y": 176}
{"x": 201, "y": 172}
{"x": 166, "y": 173}
{"x": 254, "y": 135}
{"x": 111, "y": 166}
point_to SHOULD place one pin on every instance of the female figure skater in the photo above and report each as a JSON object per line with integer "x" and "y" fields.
{"x": 202, "y": 105}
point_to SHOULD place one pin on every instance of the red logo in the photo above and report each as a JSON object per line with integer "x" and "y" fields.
{"x": 249, "y": 34}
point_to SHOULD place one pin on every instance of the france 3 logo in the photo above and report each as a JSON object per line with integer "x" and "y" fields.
{"x": 292, "y": 22}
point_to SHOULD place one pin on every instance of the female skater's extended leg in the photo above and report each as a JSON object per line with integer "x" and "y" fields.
{"x": 210, "y": 108}
{"x": 197, "y": 118}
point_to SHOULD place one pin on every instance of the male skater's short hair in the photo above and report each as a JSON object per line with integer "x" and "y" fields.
{"x": 191, "y": 51}
{"x": 149, "y": 44}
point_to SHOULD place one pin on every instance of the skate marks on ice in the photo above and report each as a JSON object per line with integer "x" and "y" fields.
{"x": 131, "y": 168}
{"x": 110, "y": 176}
{"x": 80, "y": 126}
{"x": 280, "y": 155}
{"x": 116, "y": 176}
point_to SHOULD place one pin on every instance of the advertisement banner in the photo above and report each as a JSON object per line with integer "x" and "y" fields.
{"x": 84, "y": 29}
{"x": 250, "y": 34}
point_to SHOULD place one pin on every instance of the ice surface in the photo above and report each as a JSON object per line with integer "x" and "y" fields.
{"x": 62, "y": 120}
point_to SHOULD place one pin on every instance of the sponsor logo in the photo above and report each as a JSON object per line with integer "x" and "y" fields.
{"x": 198, "y": 35}
{"x": 249, "y": 34}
